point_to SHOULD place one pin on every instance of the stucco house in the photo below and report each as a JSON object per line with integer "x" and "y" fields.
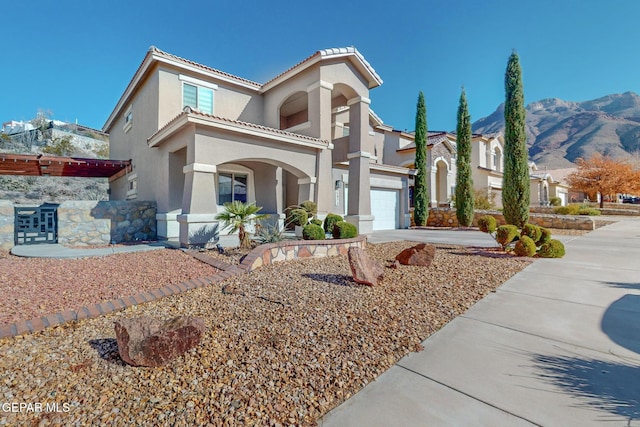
{"x": 486, "y": 161}
{"x": 199, "y": 137}
{"x": 546, "y": 184}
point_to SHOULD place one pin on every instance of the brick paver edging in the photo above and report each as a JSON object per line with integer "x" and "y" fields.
{"x": 262, "y": 255}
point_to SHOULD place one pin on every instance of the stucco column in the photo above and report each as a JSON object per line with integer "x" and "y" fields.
{"x": 319, "y": 98}
{"x": 306, "y": 189}
{"x": 359, "y": 208}
{"x": 198, "y": 226}
{"x": 432, "y": 187}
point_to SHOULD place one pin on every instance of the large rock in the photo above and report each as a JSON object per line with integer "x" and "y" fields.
{"x": 145, "y": 341}
{"x": 421, "y": 255}
{"x": 363, "y": 268}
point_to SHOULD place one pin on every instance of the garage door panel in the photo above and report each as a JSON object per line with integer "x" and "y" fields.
{"x": 385, "y": 209}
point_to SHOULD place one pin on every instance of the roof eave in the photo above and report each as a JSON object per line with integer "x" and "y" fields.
{"x": 176, "y": 124}
{"x": 356, "y": 58}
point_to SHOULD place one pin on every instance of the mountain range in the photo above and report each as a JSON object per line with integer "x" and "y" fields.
{"x": 559, "y": 132}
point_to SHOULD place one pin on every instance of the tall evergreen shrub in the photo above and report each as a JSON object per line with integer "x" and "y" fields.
{"x": 515, "y": 180}
{"x": 464, "y": 181}
{"x": 420, "y": 196}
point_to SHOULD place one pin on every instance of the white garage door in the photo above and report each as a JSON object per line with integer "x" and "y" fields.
{"x": 384, "y": 207}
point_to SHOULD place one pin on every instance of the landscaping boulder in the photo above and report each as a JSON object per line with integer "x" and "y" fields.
{"x": 363, "y": 268}
{"x": 421, "y": 255}
{"x": 145, "y": 341}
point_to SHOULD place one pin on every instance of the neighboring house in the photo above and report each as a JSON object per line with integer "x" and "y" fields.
{"x": 486, "y": 161}
{"x": 546, "y": 184}
{"x": 487, "y": 165}
{"x": 199, "y": 137}
{"x": 400, "y": 149}
{"x": 559, "y": 187}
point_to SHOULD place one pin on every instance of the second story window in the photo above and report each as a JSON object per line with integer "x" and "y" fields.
{"x": 197, "y": 94}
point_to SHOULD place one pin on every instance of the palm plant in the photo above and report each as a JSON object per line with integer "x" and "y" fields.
{"x": 237, "y": 216}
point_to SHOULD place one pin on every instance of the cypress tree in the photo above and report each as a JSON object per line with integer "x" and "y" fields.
{"x": 464, "y": 181}
{"x": 515, "y": 181}
{"x": 420, "y": 197}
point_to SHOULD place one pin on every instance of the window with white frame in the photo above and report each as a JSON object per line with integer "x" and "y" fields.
{"x": 128, "y": 119}
{"x": 197, "y": 94}
{"x": 132, "y": 186}
{"x": 232, "y": 186}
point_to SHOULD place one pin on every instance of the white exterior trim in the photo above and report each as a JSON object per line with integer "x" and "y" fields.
{"x": 310, "y": 180}
{"x": 359, "y": 99}
{"x": 199, "y": 167}
{"x": 197, "y": 82}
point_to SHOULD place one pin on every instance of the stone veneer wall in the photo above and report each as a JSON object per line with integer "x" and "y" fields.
{"x": 83, "y": 223}
{"x": 609, "y": 209}
{"x": 447, "y": 218}
{"x": 7, "y": 220}
{"x": 282, "y": 251}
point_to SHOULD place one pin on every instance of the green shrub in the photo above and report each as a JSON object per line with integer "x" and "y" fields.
{"x": 344, "y": 230}
{"x": 532, "y": 231}
{"x": 545, "y": 236}
{"x": 330, "y": 220}
{"x": 588, "y": 211}
{"x": 505, "y": 234}
{"x": 552, "y": 249}
{"x": 268, "y": 233}
{"x": 312, "y": 232}
{"x": 316, "y": 221}
{"x": 298, "y": 217}
{"x": 555, "y": 201}
{"x": 487, "y": 224}
{"x": 525, "y": 246}
{"x": 310, "y": 207}
{"x": 571, "y": 209}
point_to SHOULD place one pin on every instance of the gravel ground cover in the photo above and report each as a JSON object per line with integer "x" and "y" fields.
{"x": 33, "y": 287}
{"x": 284, "y": 344}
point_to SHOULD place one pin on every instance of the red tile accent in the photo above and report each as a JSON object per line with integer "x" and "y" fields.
{"x": 157, "y": 293}
{"x": 51, "y": 319}
{"x": 68, "y": 315}
{"x": 93, "y": 310}
{"x": 22, "y": 327}
{"x": 8, "y": 330}
{"x": 38, "y": 324}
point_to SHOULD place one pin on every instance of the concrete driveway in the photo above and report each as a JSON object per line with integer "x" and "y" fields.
{"x": 557, "y": 345}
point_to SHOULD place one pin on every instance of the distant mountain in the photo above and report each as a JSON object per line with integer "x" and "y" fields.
{"x": 558, "y": 132}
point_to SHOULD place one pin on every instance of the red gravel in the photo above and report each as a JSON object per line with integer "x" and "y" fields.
{"x": 34, "y": 287}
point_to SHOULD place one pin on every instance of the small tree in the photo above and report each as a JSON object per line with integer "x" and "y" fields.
{"x": 237, "y": 216}
{"x": 515, "y": 181}
{"x": 464, "y": 181}
{"x": 420, "y": 197}
{"x": 604, "y": 175}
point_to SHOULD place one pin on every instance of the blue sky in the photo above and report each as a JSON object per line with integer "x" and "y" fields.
{"x": 75, "y": 58}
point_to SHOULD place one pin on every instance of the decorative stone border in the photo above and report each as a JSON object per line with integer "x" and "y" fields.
{"x": 262, "y": 255}
{"x": 282, "y": 251}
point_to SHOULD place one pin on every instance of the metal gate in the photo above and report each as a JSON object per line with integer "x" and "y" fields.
{"x": 35, "y": 225}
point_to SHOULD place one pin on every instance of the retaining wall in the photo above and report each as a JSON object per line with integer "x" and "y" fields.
{"x": 83, "y": 223}
{"x": 282, "y": 251}
{"x": 447, "y": 218}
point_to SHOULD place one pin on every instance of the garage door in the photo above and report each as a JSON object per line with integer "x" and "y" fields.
{"x": 384, "y": 207}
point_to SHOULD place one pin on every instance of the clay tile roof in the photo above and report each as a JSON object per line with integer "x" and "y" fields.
{"x": 204, "y": 67}
{"x": 241, "y": 123}
{"x": 328, "y": 53}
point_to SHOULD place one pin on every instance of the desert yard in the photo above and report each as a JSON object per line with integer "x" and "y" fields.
{"x": 283, "y": 346}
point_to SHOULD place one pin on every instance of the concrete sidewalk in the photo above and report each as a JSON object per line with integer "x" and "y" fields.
{"x": 557, "y": 345}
